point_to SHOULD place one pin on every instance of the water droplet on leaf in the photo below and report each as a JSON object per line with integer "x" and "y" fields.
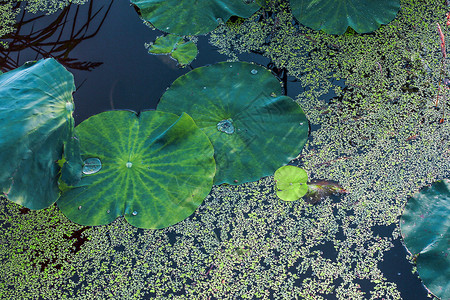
{"x": 69, "y": 106}
{"x": 226, "y": 126}
{"x": 254, "y": 71}
{"x": 129, "y": 164}
{"x": 134, "y": 213}
{"x": 92, "y": 165}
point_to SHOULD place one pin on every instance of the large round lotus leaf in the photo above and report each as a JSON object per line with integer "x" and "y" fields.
{"x": 252, "y": 129}
{"x": 291, "y": 183}
{"x": 425, "y": 227}
{"x": 192, "y": 17}
{"x": 36, "y": 108}
{"x": 334, "y": 16}
{"x": 156, "y": 169}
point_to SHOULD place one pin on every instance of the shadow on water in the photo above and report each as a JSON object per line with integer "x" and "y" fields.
{"x": 52, "y": 36}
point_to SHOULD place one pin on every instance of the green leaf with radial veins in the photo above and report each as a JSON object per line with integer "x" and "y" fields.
{"x": 291, "y": 183}
{"x": 36, "y": 120}
{"x": 156, "y": 169}
{"x": 334, "y": 16}
{"x": 425, "y": 227}
{"x": 238, "y": 105}
{"x": 192, "y": 17}
{"x": 176, "y": 47}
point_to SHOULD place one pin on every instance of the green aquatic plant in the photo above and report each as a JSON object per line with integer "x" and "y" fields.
{"x": 425, "y": 225}
{"x": 50, "y": 6}
{"x": 253, "y": 128}
{"x": 10, "y": 9}
{"x": 8, "y": 12}
{"x": 192, "y": 17}
{"x": 334, "y": 17}
{"x": 36, "y": 121}
{"x": 291, "y": 183}
{"x": 183, "y": 52}
{"x": 154, "y": 169}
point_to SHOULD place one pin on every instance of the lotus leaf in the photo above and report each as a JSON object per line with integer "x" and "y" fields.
{"x": 334, "y": 16}
{"x": 36, "y": 120}
{"x": 192, "y": 17}
{"x": 238, "y": 105}
{"x": 291, "y": 183}
{"x": 181, "y": 51}
{"x": 156, "y": 169}
{"x": 425, "y": 227}
{"x": 72, "y": 167}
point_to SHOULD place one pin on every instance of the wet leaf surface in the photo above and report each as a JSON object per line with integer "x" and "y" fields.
{"x": 156, "y": 169}
{"x": 238, "y": 105}
{"x": 425, "y": 226}
{"x": 335, "y": 16}
{"x": 36, "y": 121}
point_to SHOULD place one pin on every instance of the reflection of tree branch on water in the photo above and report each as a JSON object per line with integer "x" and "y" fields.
{"x": 40, "y": 40}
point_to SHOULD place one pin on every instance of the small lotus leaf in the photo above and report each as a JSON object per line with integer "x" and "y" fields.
{"x": 192, "y": 17}
{"x": 425, "y": 227}
{"x": 334, "y": 16}
{"x": 36, "y": 120}
{"x": 252, "y": 128}
{"x": 156, "y": 169}
{"x": 291, "y": 183}
{"x": 181, "y": 51}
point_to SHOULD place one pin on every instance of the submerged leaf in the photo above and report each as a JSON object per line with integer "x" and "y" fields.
{"x": 192, "y": 17}
{"x": 36, "y": 120}
{"x": 318, "y": 190}
{"x": 425, "y": 227}
{"x": 176, "y": 47}
{"x": 335, "y": 16}
{"x": 291, "y": 183}
{"x": 253, "y": 130}
{"x": 156, "y": 169}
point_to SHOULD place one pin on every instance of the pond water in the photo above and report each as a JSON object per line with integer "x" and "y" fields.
{"x": 242, "y": 242}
